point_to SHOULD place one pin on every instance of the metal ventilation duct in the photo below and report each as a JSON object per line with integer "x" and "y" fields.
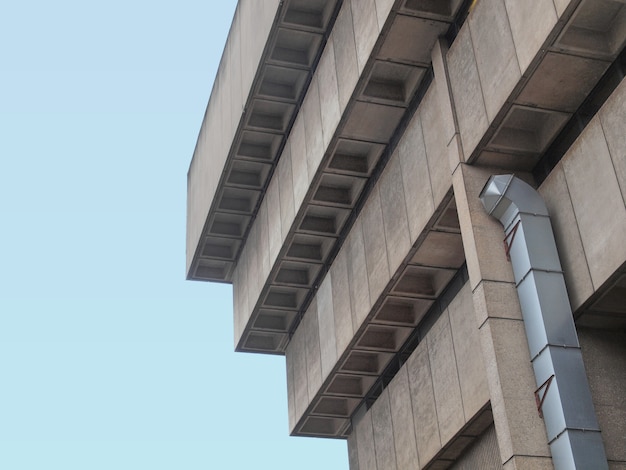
{"x": 563, "y": 395}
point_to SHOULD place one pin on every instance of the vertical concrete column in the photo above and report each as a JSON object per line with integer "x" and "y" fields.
{"x": 521, "y": 434}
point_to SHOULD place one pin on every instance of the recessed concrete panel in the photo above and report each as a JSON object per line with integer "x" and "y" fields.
{"x": 282, "y": 83}
{"x": 440, "y": 249}
{"x": 274, "y": 320}
{"x": 496, "y": 59}
{"x": 531, "y": 23}
{"x": 309, "y": 14}
{"x": 415, "y": 181}
{"x": 273, "y": 219}
{"x": 597, "y": 28}
{"x": 298, "y": 161}
{"x": 467, "y": 91}
{"x": 383, "y": 433}
{"x": 448, "y": 220}
{"x": 309, "y": 248}
{"x": 285, "y": 181}
{"x": 354, "y": 157}
{"x": 375, "y": 245}
{"x": 321, "y": 220}
{"x": 284, "y": 298}
{"x": 272, "y": 116}
{"x": 322, "y": 427}
{"x": 264, "y": 342}
{"x": 238, "y": 200}
{"x": 402, "y": 418}
{"x": 444, "y": 9}
{"x": 372, "y": 122}
{"x": 562, "y": 82}
{"x": 421, "y": 281}
{"x": 328, "y": 92}
{"x": 357, "y": 274}
{"x": 395, "y": 218}
{"x": 295, "y": 48}
{"x": 365, "y": 443}
{"x": 382, "y": 338}
{"x": 326, "y": 319}
{"x": 349, "y": 385}
{"x": 228, "y": 225}
{"x": 528, "y": 130}
{"x": 468, "y": 353}
{"x": 401, "y": 311}
{"x": 224, "y": 248}
{"x": 612, "y": 117}
{"x": 247, "y": 174}
{"x": 556, "y": 195}
{"x": 445, "y": 378}
{"x": 342, "y": 309}
{"x": 411, "y": 39}
{"x": 335, "y": 406}
{"x": 597, "y": 202}
{"x": 366, "y": 362}
{"x": 212, "y": 270}
{"x": 344, "y": 47}
{"x": 423, "y": 404}
{"x": 296, "y": 274}
{"x": 338, "y": 190}
{"x": 392, "y": 83}
{"x": 313, "y": 128}
{"x": 366, "y": 29}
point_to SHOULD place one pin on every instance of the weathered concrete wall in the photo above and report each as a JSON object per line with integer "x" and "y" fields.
{"x": 604, "y": 354}
{"x": 434, "y": 395}
{"x": 586, "y": 194}
{"x": 242, "y": 53}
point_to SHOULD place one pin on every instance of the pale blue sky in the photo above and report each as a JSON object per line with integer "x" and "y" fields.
{"x": 108, "y": 358}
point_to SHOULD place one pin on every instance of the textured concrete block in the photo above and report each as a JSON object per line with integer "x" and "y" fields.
{"x": 529, "y": 463}
{"x": 482, "y": 234}
{"x": 311, "y": 332}
{"x": 325, "y": 313}
{"x": 436, "y": 143}
{"x": 569, "y": 244}
{"x": 511, "y": 386}
{"x": 423, "y": 404}
{"x": 365, "y": 443}
{"x": 496, "y": 59}
{"x": 234, "y": 50}
{"x": 298, "y": 161}
{"x": 297, "y": 349}
{"x": 448, "y": 127}
{"x": 253, "y": 266}
{"x": 273, "y": 218}
{"x": 415, "y": 181}
{"x": 353, "y": 451}
{"x": 328, "y": 92}
{"x": 313, "y": 128}
{"x": 612, "y": 117}
{"x": 285, "y": 178}
{"x": 402, "y": 418}
{"x": 496, "y": 299}
{"x": 342, "y": 309}
{"x": 383, "y": 433}
{"x": 396, "y": 224}
{"x": 597, "y": 202}
{"x": 375, "y": 245}
{"x": 291, "y": 388}
{"x": 264, "y": 242}
{"x": 468, "y": 353}
{"x": 365, "y": 29}
{"x": 531, "y": 23}
{"x": 357, "y": 274}
{"x": 467, "y": 91}
{"x": 445, "y": 378}
{"x": 345, "y": 54}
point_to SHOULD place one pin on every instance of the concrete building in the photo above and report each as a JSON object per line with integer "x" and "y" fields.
{"x": 341, "y": 183}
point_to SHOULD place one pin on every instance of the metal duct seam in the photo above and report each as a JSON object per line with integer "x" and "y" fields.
{"x": 566, "y": 403}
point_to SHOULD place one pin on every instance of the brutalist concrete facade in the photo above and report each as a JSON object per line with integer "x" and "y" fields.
{"x": 336, "y": 183}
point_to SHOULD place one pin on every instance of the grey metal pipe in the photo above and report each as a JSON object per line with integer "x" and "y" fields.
{"x": 564, "y": 396}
